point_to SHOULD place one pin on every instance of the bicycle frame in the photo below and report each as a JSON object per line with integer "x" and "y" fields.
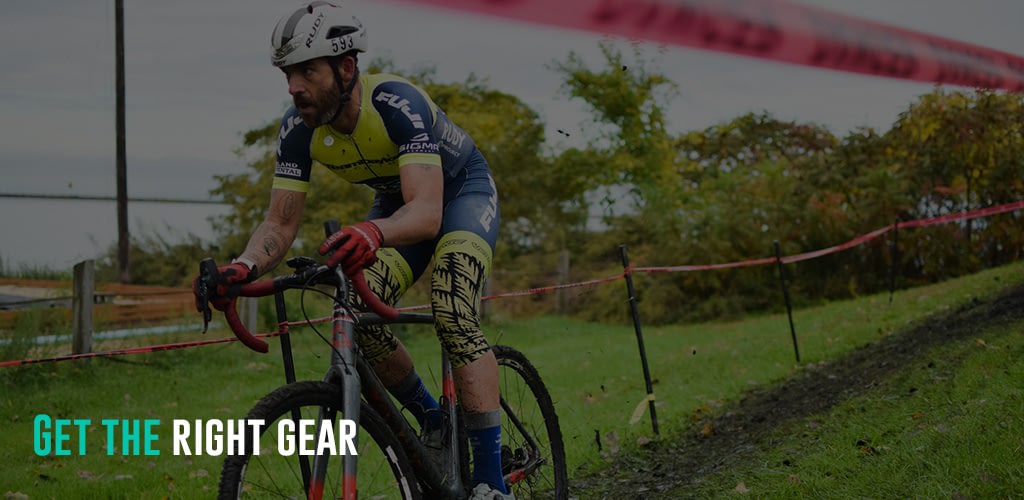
{"x": 350, "y": 370}
{"x": 351, "y": 373}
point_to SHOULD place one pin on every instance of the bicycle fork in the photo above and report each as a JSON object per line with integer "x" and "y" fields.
{"x": 342, "y": 371}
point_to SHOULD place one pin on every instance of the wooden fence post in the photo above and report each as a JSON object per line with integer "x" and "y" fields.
{"x": 563, "y": 278}
{"x": 83, "y": 293}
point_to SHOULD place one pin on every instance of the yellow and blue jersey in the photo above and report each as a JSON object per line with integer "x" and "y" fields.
{"x": 398, "y": 125}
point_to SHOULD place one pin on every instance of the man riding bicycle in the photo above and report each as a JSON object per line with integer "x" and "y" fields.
{"x": 434, "y": 199}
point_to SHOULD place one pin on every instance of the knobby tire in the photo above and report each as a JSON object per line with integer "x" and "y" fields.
{"x": 384, "y": 471}
{"x": 526, "y": 399}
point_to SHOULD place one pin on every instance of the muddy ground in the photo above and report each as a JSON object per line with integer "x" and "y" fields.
{"x": 685, "y": 460}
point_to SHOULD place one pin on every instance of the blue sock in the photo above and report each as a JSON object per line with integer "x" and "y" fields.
{"x": 485, "y": 443}
{"x": 415, "y": 397}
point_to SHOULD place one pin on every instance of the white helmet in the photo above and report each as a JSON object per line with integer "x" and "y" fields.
{"x": 320, "y": 29}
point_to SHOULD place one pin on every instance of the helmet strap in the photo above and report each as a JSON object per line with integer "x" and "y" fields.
{"x": 346, "y": 93}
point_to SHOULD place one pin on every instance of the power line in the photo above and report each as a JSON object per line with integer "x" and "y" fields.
{"x": 142, "y": 199}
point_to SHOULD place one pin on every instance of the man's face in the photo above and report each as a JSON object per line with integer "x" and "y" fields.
{"x": 311, "y": 84}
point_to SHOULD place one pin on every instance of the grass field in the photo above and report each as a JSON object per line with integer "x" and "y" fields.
{"x": 947, "y": 426}
{"x": 594, "y": 374}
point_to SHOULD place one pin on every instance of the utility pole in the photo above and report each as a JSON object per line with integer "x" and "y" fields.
{"x": 123, "y": 240}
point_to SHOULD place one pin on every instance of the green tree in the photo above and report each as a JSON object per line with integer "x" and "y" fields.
{"x": 629, "y": 165}
{"x": 961, "y": 151}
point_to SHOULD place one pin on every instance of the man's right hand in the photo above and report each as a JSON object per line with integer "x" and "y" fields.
{"x": 353, "y": 247}
{"x": 227, "y": 275}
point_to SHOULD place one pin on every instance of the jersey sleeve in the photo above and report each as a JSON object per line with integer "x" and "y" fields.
{"x": 408, "y": 117}
{"x": 294, "y": 161}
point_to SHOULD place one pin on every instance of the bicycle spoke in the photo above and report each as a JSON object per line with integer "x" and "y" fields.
{"x": 384, "y": 472}
{"x": 533, "y": 456}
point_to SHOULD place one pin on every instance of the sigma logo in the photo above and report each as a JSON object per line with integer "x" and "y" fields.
{"x": 288, "y": 168}
{"x": 401, "y": 104}
{"x": 319, "y": 21}
{"x": 419, "y": 147}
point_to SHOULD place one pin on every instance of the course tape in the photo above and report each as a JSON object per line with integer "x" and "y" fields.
{"x": 128, "y": 351}
{"x": 860, "y": 240}
{"x": 984, "y": 212}
{"x": 776, "y": 30}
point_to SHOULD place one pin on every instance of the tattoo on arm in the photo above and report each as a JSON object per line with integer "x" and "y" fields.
{"x": 269, "y": 243}
{"x": 287, "y": 210}
{"x": 271, "y": 246}
{"x": 269, "y": 239}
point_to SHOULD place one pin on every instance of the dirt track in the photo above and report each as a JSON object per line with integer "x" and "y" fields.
{"x": 685, "y": 460}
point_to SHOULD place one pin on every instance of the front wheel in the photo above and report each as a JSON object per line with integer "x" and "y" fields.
{"x": 533, "y": 454}
{"x": 266, "y": 469}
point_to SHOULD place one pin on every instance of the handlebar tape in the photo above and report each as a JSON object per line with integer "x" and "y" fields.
{"x": 250, "y": 340}
{"x": 257, "y": 289}
{"x": 267, "y": 287}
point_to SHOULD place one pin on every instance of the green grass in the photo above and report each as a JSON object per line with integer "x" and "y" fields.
{"x": 949, "y": 426}
{"x": 595, "y": 377}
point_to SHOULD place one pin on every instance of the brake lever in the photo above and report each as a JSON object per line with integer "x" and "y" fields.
{"x": 207, "y": 279}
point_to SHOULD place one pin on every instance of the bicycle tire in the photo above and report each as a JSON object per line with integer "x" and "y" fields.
{"x": 526, "y": 399}
{"x": 384, "y": 471}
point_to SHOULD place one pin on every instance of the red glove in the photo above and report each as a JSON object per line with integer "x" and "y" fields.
{"x": 231, "y": 274}
{"x": 354, "y": 247}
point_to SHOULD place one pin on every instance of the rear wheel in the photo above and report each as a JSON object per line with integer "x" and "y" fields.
{"x": 533, "y": 453}
{"x": 265, "y": 471}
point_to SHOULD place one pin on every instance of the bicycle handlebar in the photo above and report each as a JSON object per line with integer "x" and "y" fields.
{"x": 299, "y": 279}
{"x": 269, "y": 287}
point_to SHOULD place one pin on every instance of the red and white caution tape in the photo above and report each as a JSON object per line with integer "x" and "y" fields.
{"x": 776, "y": 30}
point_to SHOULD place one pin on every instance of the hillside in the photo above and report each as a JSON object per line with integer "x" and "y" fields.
{"x": 682, "y": 465}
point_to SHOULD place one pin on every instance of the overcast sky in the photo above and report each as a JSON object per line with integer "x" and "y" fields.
{"x": 198, "y": 75}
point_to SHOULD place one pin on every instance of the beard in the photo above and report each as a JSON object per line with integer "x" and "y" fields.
{"x": 325, "y": 108}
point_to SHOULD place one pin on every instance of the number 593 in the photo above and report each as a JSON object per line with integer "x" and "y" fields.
{"x": 341, "y": 43}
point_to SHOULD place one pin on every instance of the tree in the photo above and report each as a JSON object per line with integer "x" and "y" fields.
{"x": 634, "y": 151}
{"x": 961, "y": 151}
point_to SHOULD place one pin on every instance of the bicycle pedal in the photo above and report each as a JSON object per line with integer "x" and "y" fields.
{"x": 507, "y": 459}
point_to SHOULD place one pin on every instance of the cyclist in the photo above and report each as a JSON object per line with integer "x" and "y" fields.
{"x": 434, "y": 199}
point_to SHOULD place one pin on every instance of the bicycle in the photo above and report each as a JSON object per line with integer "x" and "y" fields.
{"x": 390, "y": 460}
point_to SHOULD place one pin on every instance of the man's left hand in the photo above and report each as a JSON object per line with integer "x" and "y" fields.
{"x": 227, "y": 276}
